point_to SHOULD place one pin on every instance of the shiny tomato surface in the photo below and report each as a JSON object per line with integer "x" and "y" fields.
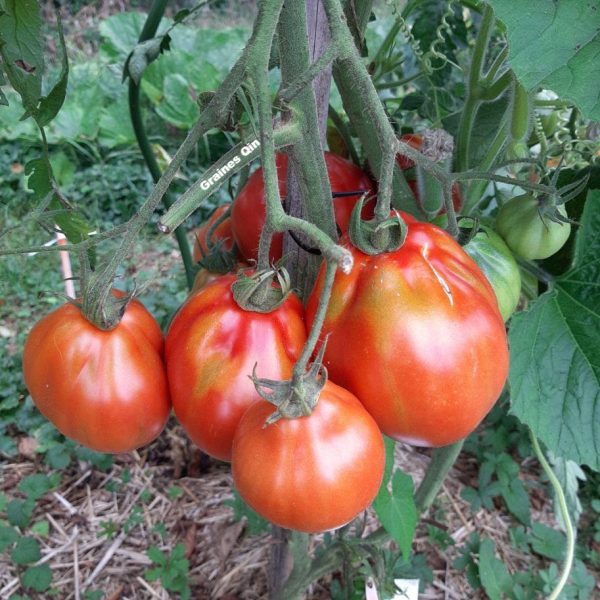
{"x": 248, "y": 210}
{"x": 211, "y": 349}
{"x": 312, "y": 473}
{"x": 106, "y": 390}
{"x": 222, "y": 233}
{"x": 417, "y": 336}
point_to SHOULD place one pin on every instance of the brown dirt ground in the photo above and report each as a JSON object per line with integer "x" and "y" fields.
{"x": 224, "y": 562}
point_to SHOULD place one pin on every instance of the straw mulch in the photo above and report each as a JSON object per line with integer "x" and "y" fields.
{"x": 224, "y": 562}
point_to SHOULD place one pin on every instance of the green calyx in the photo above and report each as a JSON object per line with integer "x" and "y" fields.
{"x": 376, "y": 237}
{"x": 261, "y": 291}
{"x": 296, "y": 397}
{"x": 105, "y": 311}
{"x": 218, "y": 259}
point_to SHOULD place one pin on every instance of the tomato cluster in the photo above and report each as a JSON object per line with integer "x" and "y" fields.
{"x": 416, "y": 350}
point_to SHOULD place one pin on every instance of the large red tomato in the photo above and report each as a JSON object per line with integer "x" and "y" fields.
{"x": 417, "y": 335}
{"x": 222, "y": 233}
{"x": 105, "y": 389}
{"x": 211, "y": 349}
{"x": 312, "y": 473}
{"x": 248, "y": 210}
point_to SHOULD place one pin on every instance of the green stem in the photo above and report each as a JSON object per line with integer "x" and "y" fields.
{"x": 474, "y": 91}
{"x": 564, "y": 511}
{"x": 315, "y": 332}
{"x": 442, "y": 460}
{"x": 152, "y": 22}
{"x": 476, "y": 189}
{"x": 497, "y": 87}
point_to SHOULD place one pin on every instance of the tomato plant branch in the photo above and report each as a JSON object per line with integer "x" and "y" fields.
{"x": 367, "y": 115}
{"x": 564, "y": 511}
{"x": 149, "y": 30}
{"x": 96, "y": 298}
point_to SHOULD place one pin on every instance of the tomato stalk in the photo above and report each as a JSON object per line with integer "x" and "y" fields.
{"x": 357, "y": 91}
{"x": 564, "y": 511}
{"x": 149, "y": 30}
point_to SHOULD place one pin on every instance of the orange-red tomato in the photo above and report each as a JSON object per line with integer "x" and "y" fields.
{"x": 222, "y": 232}
{"x": 104, "y": 389}
{"x": 248, "y": 210}
{"x": 417, "y": 335}
{"x": 312, "y": 473}
{"x": 212, "y": 347}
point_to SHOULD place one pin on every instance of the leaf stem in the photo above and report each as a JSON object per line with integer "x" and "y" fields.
{"x": 564, "y": 511}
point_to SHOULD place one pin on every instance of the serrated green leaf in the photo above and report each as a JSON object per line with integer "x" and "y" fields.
{"x": 156, "y": 555}
{"x": 37, "y": 578}
{"x": 555, "y": 355}
{"x": 41, "y": 528}
{"x": 494, "y": 576}
{"x": 35, "y": 486}
{"x": 58, "y": 456}
{"x": 39, "y": 177}
{"x": 8, "y": 536}
{"x": 18, "y": 512}
{"x": 555, "y": 45}
{"x": 548, "y": 542}
{"x": 397, "y": 511}
{"x": 21, "y": 49}
{"x": 26, "y": 551}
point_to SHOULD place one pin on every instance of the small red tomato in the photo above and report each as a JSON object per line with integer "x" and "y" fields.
{"x": 211, "y": 349}
{"x": 222, "y": 232}
{"x": 248, "y": 210}
{"x": 312, "y": 473}
{"x": 106, "y": 390}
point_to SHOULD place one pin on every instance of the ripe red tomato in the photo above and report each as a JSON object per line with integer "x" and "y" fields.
{"x": 211, "y": 349}
{"x": 222, "y": 232}
{"x": 248, "y": 210}
{"x": 417, "y": 335}
{"x": 312, "y": 473}
{"x": 106, "y": 390}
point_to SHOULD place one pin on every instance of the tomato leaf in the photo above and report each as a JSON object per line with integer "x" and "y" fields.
{"x": 21, "y": 48}
{"x": 555, "y": 356}
{"x": 397, "y": 511}
{"x": 566, "y": 35}
{"x": 26, "y": 551}
{"x": 493, "y": 574}
{"x": 51, "y": 104}
{"x": 37, "y": 578}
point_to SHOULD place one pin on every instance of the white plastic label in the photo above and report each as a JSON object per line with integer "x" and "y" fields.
{"x": 406, "y": 589}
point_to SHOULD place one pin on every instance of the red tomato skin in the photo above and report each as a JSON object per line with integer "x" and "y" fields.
{"x": 417, "y": 336}
{"x": 313, "y": 473}
{"x": 106, "y": 390}
{"x": 248, "y": 210}
{"x": 211, "y": 349}
{"x": 222, "y": 232}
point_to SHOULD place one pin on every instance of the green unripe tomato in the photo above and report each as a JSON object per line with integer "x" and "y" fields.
{"x": 496, "y": 261}
{"x": 527, "y": 232}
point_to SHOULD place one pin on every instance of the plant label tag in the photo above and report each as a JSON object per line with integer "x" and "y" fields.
{"x": 406, "y": 589}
